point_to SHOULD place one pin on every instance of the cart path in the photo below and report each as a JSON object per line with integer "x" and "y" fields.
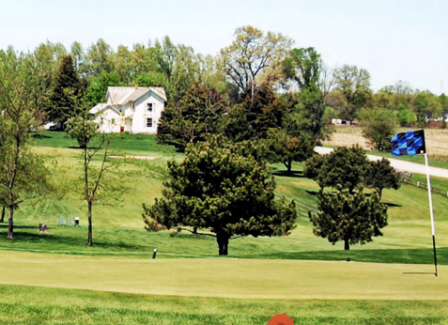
{"x": 400, "y": 165}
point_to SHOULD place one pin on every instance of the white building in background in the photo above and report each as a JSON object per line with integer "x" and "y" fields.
{"x": 130, "y": 109}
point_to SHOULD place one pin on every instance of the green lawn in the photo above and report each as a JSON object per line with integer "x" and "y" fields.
{"x": 35, "y": 305}
{"x": 45, "y": 276}
{"x": 122, "y": 144}
{"x": 119, "y": 231}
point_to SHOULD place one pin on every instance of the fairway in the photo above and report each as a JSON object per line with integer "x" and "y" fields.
{"x": 229, "y": 278}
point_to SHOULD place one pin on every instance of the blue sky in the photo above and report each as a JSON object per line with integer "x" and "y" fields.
{"x": 393, "y": 39}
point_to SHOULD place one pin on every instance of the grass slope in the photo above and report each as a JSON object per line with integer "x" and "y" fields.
{"x": 118, "y": 230}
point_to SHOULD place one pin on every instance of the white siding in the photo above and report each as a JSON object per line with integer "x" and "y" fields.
{"x": 106, "y": 121}
{"x": 141, "y": 113}
{"x": 132, "y": 115}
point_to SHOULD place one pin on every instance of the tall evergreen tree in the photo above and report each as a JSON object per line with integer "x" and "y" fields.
{"x": 67, "y": 88}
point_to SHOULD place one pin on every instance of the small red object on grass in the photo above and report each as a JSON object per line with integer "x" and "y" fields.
{"x": 280, "y": 319}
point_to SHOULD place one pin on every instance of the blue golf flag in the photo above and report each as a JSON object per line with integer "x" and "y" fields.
{"x": 408, "y": 143}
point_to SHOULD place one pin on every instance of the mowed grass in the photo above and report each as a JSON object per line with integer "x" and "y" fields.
{"x": 119, "y": 229}
{"x": 37, "y": 305}
{"x": 228, "y": 278}
{"x": 55, "y": 278}
{"x": 122, "y": 143}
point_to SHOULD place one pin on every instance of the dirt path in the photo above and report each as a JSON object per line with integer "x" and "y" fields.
{"x": 399, "y": 164}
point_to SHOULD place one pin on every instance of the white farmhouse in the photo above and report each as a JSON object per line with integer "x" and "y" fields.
{"x": 130, "y": 109}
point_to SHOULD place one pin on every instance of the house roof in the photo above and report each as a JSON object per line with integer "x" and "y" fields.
{"x": 123, "y": 95}
{"x": 97, "y": 108}
{"x": 100, "y": 107}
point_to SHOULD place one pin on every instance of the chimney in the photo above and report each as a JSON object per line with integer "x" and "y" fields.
{"x": 136, "y": 86}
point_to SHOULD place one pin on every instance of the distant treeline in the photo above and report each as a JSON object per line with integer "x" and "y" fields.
{"x": 253, "y": 60}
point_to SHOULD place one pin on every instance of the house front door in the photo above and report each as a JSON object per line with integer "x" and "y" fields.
{"x": 121, "y": 129}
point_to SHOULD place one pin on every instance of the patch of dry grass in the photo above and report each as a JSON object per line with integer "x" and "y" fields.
{"x": 436, "y": 139}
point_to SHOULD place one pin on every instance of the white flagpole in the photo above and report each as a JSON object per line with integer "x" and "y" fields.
{"x": 431, "y": 212}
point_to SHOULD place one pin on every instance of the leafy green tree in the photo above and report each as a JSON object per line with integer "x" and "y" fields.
{"x": 151, "y": 79}
{"x": 379, "y": 127}
{"x": 81, "y": 129}
{"x": 421, "y": 108}
{"x": 406, "y": 117}
{"x": 380, "y": 175}
{"x": 98, "y": 59}
{"x": 23, "y": 175}
{"x": 303, "y": 66}
{"x": 285, "y": 148}
{"x": 343, "y": 167}
{"x": 309, "y": 113}
{"x": 97, "y": 89}
{"x": 254, "y": 57}
{"x": 78, "y": 54}
{"x": 100, "y": 182}
{"x": 354, "y": 85}
{"x": 185, "y": 72}
{"x": 351, "y": 217}
{"x": 197, "y": 115}
{"x": 216, "y": 189}
{"x": 67, "y": 88}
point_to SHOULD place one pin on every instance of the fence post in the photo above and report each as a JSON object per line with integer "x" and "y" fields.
{"x": 418, "y": 184}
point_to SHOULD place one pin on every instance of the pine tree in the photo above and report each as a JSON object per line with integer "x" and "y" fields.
{"x": 344, "y": 166}
{"x": 226, "y": 194}
{"x": 352, "y": 218}
{"x": 66, "y": 91}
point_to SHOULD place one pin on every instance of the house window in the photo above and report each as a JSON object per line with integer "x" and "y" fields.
{"x": 149, "y": 109}
{"x": 113, "y": 121}
{"x": 149, "y": 122}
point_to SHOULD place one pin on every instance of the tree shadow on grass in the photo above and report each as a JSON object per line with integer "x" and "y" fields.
{"x": 404, "y": 256}
{"x": 314, "y": 193}
{"x": 49, "y": 241}
{"x": 5, "y": 225}
{"x": 41, "y": 136}
{"x": 293, "y": 173}
{"x": 77, "y": 147}
{"x": 392, "y": 205}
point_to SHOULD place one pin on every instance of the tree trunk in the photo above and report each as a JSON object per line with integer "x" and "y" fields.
{"x": 380, "y": 192}
{"x": 89, "y": 236}
{"x": 288, "y": 165}
{"x": 3, "y": 214}
{"x": 82, "y": 143}
{"x": 346, "y": 245}
{"x": 11, "y": 223}
{"x": 223, "y": 243}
